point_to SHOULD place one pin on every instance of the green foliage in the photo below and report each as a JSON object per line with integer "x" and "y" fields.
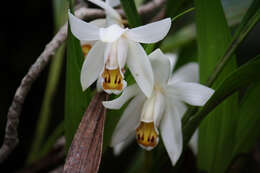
{"x": 76, "y": 100}
{"x": 60, "y": 17}
{"x": 246, "y": 75}
{"x": 130, "y": 10}
{"x": 213, "y": 36}
{"x": 248, "y": 130}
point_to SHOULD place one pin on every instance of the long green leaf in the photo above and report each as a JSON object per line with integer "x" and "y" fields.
{"x": 213, "y": 37}
{"x": 76, "y": 101}
{"x": 245, "y": 75}
{"x": 248, "y": 130}
{"x": 130, "y": 10}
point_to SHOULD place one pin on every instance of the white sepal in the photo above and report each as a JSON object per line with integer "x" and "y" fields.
{"x": 117, "y": 150}
{"x": 140, "y": 67}
{"x": 150, "y": 33}
{"x": 187, "y": 73}
{"x": 171, "y": 133}
{"x": 127, "y": 94}
{"x": 173, "y": 60}
{"x": 161, "y": 66}
{"x": 92, "y": 66}
{"x": 131, "y": 115}
{"x": 192, "y": 93}
{"x": 83, "y": 30}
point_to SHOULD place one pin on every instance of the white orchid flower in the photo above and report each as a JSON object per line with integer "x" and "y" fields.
{"x": 116, "y": 46}
{"x": 163, "y": 109}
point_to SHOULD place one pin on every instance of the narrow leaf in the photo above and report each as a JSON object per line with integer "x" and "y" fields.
{"x": 213, "y": 36}
{"x": 76, "y": 101}
{"x": 130, "y": 10}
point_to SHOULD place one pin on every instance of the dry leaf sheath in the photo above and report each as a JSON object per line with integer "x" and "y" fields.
{"x": 85, "y": 151}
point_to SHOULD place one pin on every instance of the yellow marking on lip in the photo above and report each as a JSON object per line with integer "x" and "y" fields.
{"x": 113, "y": 80}
{"x": 146, "y": 134}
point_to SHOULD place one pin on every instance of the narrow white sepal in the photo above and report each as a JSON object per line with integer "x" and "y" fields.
{"x": 127, "y": 94}
{"x": 161, "y": 66}
{"x": 150, "y": 33}
{"x": 171, "y": 133}
{"x": 140, "y": 67}
{"x": 129, "y": 120}
{"x": 192, "y": 93}
{"x": 187, "y": 73}
{"x": 117, "y": 150}
{"x": 92, "y": 66}
{"x": 83, "y": 30}
{"x": 173, "y": 59}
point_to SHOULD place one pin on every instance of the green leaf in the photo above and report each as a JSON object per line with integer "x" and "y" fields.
{"x": 130, "y": 10}
{"x": 76, "y": 100}
{"x": 213, "y": 37}
{"x": 248, "y": 129}
{"x": 245, "y": 75}
{"x": 52, "y": 139}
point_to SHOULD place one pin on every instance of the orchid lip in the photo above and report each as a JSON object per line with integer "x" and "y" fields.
{"x": 113, "y": 81}
{"x": 147, "y": 136}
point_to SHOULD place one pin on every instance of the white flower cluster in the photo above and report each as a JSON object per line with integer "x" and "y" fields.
{"x": 159, "y": 97}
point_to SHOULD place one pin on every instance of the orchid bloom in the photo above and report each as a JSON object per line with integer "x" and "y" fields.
{"x": 163, "y": 109}
{"x": 116, "y": 46}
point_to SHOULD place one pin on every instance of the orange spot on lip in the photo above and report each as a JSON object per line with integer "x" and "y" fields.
{"x": 113, "y": 80}
{"x": 85, "y": 49}
{"x": 146, "y": 134}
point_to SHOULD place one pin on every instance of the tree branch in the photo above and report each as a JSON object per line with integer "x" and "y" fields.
{"x": 11, "y": 135}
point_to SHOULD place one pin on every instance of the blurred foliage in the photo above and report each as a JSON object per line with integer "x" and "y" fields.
{"x": 60, "y": 18}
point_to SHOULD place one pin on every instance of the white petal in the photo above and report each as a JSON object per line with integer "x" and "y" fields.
{"x": 173, "y": 60}
{"x": 192, "y": 93}
{"x": 127, "y": 94}
{"x": 113, "y": 3}
{"x": 92, "y": 65}
{"x": 121, "y": 146}
{"x": 150, "y": 33}
{"x": 122, "y": 48}
{"x": 194, "y": 142}
{"x": 140, "y": 67}
{"x": 171, "y": 133}
{"x": 129, "y": 120}
{"x": 111, "y": 33}
{"x": 187, "y": 73}
{"x": 109, "y": 10}
{"x": 83, "y": 30}
{"x": 159, "y": 108}
{"x": 161, "y": 66}
{"x": 111, "y": 56}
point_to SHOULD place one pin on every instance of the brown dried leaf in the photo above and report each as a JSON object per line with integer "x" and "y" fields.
{"x": 85, "y": 151}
